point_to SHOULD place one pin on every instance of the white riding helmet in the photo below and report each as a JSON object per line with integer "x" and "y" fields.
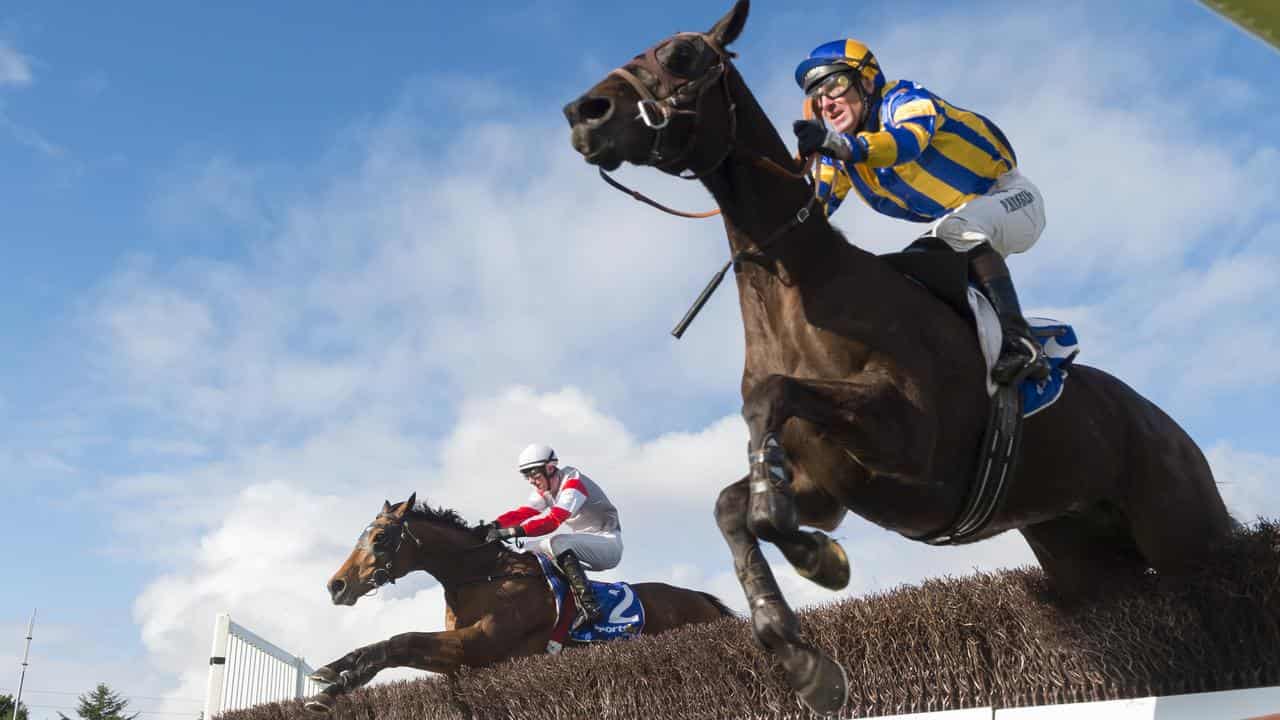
{"x": 536, "y": 455}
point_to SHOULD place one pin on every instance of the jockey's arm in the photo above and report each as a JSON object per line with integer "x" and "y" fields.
{"x": 833, "y": 183}
{"x": 515, "y": 517}
{"x": 570, "y": 500}
{"x": 531, "y": 507}
{"x": 909, "y": 124}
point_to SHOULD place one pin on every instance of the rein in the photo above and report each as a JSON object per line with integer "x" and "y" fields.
{"x": 636, "y": 194}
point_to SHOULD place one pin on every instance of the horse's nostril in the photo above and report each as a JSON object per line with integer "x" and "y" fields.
{"x": 336, "y": 586}
{"x": 595, "y": 109}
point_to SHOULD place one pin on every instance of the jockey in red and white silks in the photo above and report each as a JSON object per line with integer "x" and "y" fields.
{"x": 565, "y": 496}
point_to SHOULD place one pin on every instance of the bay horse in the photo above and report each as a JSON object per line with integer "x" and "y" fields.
{"x": 497, "y": 601}
{"x": 863, "y": 391}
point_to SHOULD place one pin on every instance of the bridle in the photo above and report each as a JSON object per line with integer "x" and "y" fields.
{"x": 656, "y": 114}
{"x": 384, "y": 551}
{"x": 678, "y": 93}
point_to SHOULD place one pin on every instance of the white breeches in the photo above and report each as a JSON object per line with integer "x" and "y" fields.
{"x": 601, "y": 551}
{"x": 1010, "y": 217}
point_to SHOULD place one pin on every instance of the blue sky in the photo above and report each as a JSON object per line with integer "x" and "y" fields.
{"x": 270, "y": 266}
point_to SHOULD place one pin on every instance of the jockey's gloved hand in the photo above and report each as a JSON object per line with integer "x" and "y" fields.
{"x": 498, "y": 533}
{"x": 813, "y": 137}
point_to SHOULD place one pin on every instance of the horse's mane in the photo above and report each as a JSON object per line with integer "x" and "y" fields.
{"x": 446, "y": 516}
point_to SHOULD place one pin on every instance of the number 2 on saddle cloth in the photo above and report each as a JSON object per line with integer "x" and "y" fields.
{"x": 621, "y": 609}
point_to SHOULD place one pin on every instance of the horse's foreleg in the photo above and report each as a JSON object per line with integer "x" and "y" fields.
{"x": 819, "y": 682}
{"x": 441, "y": 652}
{"x": 817, "y": 557}
{"x": 890, "y": 444}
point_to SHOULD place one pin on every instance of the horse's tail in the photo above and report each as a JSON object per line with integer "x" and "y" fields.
{"x": 719, "y": 606}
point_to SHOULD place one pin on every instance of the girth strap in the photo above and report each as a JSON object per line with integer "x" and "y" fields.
{"x": 997, "y": 460}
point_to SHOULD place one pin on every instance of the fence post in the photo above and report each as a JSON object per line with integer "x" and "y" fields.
{"x": 217, "y": 666}
{"x": 300, "y": 675}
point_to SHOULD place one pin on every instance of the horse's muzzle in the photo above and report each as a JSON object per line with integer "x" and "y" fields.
{"x": 338, "y": 593}
{"x": 587, "y": 117}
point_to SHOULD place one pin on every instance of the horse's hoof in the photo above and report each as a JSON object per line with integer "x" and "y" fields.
{"x": 321, "y": 704}
{"x": 819, "y": 681}
{"x": 831, "y": 566}
{"x": 324, "y": 676}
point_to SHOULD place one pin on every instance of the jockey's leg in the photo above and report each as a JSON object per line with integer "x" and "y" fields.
{"x": 573, "y": 552}
{"x": 989, "y": 228}
{"x": 1020, "y": 355}
{"x": 819, "y": 681}
{"x": 577, "y": 577}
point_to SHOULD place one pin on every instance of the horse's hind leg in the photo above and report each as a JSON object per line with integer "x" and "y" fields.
{"x": 1085, "y": 554}
{"x": 819, "y": 682}
{"x": 1176, "y": 514}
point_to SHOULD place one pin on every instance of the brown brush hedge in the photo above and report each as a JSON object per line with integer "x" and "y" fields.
{"x": 991, "y": 639}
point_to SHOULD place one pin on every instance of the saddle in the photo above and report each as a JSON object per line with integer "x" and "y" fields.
{"x": 622, "y": 612}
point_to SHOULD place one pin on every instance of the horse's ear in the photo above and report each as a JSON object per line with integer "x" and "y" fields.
{"x": 408, "y": 504}
{"x": 730, "y": 26}
{"x": 386, "y": 506}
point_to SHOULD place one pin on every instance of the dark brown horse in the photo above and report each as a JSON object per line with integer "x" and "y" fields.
{"x": 497, "y": 603}
{"x": 862, "y": 391}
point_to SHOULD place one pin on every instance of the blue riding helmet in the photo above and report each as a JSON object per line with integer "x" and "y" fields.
{"x": 835, "y": 56}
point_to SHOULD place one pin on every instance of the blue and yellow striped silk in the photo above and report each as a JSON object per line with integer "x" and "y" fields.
{"x": 927, "y": 158}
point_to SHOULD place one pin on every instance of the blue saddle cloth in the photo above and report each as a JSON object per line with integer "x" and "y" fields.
{"x": 1060, "y": 347}
{"x": 622, "y": 612}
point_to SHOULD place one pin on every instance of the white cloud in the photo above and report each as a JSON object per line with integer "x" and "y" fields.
{"x": 15, "y": 68}
{"x": 157, "y": 329}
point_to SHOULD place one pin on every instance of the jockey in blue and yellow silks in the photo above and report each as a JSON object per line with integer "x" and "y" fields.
{"x": 911, "y": 155}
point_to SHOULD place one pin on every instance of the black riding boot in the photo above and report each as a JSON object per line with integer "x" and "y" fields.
{"x": 1020, "y": 355}
{"x": 577, "y": 577}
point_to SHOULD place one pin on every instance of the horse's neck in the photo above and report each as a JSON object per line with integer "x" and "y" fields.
{"x": 454, "y": 555}
{"x": 756, "y": 204}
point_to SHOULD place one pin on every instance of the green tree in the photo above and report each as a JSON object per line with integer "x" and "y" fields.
{"x": 102, "y": 703}
{"x": 6, "y": 708}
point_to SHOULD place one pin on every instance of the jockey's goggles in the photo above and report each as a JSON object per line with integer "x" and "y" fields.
{"x": 534, "y": 471}
{"x": 832, "y": 86}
